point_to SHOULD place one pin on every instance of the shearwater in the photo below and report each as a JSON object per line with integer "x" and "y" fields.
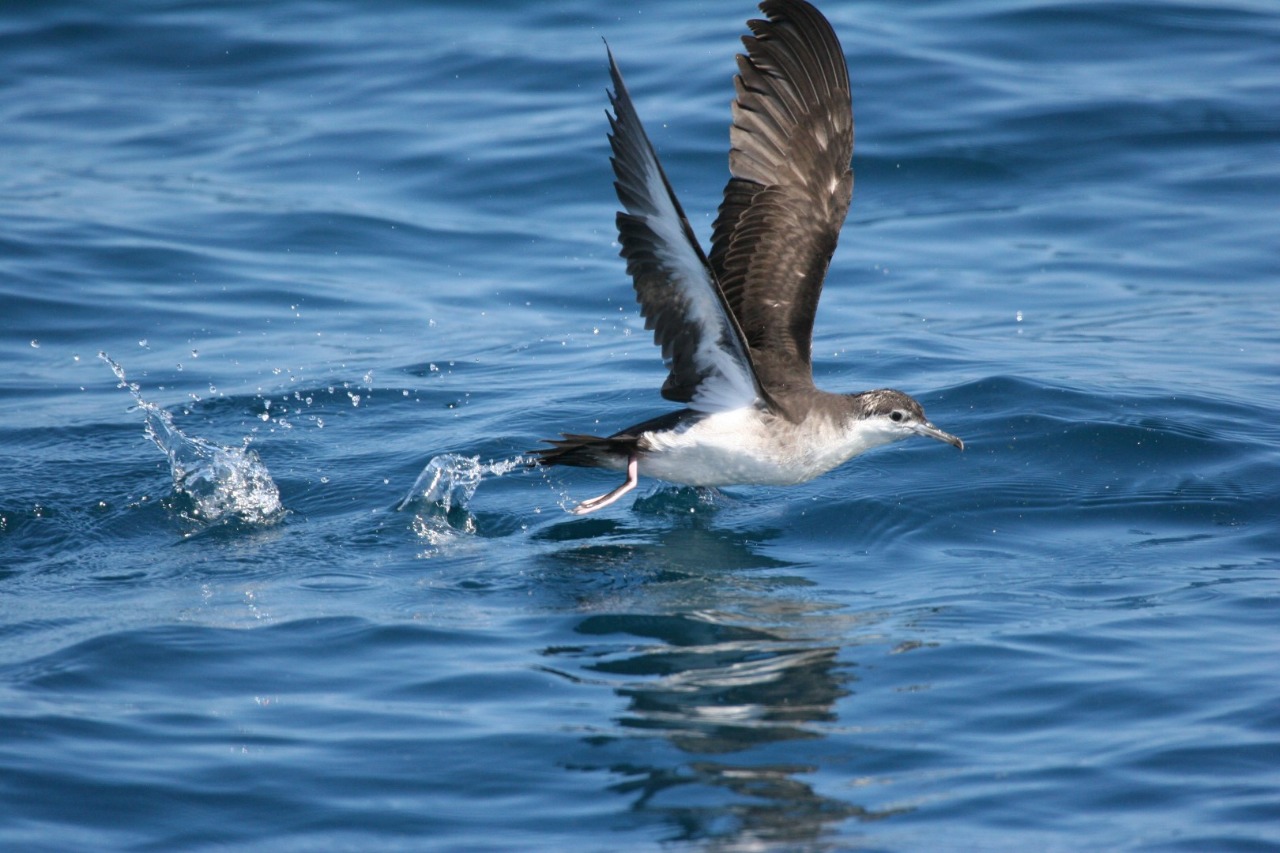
{"x": 736, "y": 326}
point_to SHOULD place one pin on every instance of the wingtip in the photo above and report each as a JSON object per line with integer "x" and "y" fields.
{"x": 614, "y": 72}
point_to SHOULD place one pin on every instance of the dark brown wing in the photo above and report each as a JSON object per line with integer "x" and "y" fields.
{"x": 791, "y": 147}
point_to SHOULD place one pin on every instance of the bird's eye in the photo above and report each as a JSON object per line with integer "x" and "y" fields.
{"x": 897, "y": 416}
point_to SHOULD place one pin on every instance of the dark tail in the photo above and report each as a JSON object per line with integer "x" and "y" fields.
{"x": 592, "y": 451}
{"x": 586, "y": 451}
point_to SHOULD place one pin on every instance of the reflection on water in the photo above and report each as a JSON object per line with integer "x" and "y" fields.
{"x": 727, "y": 665}
{"x": 720, "y": 688}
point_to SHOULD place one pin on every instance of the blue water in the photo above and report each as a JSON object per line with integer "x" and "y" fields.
{"x": 329, "y": 243}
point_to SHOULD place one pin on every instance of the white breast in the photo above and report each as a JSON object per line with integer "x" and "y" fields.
{"x": 745, "y": 446}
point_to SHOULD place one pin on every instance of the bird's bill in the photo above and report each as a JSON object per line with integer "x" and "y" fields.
{"x": 928, "y": 430}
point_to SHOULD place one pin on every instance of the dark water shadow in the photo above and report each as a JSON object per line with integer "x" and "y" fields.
{"x": 728, "y": 659}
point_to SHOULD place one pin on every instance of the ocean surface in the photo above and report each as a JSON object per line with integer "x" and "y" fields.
{"x": 272, "y": 572}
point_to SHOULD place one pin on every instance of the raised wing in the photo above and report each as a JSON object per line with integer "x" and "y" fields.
{"x": 702, "y": 346}
{"x": 791, "y": 147}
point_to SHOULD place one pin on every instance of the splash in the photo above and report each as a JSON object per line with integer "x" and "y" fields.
{"x": 220, "y": 483}
{"x": 450, "y": 480}
{"x": 446, "y": 486}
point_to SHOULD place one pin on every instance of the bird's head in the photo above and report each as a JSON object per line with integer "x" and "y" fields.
{"x": 886, "y": 416}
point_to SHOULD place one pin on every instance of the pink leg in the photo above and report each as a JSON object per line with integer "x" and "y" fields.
{"x": 593, "y": 504}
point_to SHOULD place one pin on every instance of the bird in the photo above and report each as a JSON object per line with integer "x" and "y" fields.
{"x": 735, "y": 326}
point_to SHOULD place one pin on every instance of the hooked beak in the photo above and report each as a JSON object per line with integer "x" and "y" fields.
{"x": 928, "y": 430}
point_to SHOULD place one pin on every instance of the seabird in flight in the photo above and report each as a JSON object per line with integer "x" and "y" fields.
{"x": 736, "y": 326}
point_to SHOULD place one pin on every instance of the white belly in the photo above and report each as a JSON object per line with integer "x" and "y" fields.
{"x": 740, "y": 447}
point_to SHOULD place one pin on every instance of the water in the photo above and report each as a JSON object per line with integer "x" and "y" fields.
{"x": 328, "y": 244}
{"x": 216, "y": 484}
